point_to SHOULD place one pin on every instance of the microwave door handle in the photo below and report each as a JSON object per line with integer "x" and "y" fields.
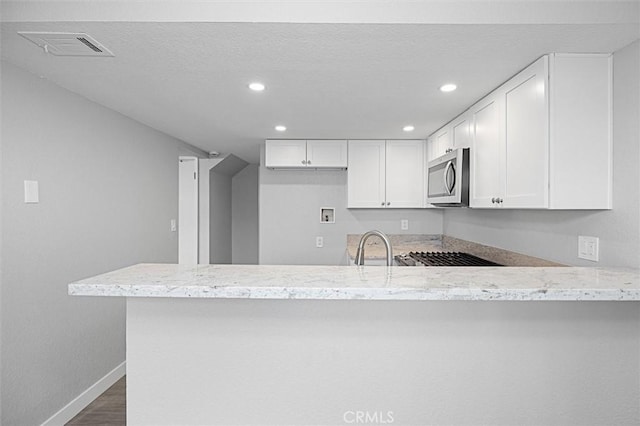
{"x": 447, "y": 186}
{"x": 453, "y": 174}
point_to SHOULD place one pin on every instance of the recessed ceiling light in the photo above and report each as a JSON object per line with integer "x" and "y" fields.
{"x": 450, "y": 87}
{"x": 256, "y": 86}
{"x": 408, "y": 128}
{"x": 281, "y": 128}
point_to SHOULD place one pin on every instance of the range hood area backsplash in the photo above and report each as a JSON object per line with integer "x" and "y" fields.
{"x": 405, "y": 243}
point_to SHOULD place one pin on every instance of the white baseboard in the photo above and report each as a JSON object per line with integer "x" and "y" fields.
{"x": 70, "y": 410}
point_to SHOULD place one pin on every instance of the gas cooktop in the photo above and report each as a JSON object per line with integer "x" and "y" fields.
{"x": 439, "y": 258}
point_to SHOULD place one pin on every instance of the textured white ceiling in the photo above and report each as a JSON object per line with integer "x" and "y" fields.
{"x": 323, "y": 80}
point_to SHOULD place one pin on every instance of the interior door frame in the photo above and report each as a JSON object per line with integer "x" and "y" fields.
{"x": 188, "y": 210}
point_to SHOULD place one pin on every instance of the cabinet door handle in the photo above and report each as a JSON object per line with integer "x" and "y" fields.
{"x": 308, "y": 162}
{"x": 304, "y": 162}
{"x": 493, "y": 200}
{"x": 500, "y": 200}
{"x": 388, "y": 203}
{"x": 382, "y": 204}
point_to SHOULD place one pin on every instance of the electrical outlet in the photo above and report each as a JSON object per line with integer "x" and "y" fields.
{"x": 319, "y": 242}
{"x": 174, "y": 228}
{"x": 588, "y": 248}
{"x": 404, "y": 224}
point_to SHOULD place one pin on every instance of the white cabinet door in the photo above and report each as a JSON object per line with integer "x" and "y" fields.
{"x": 404, "y": 170}
{"x": 443, "y": 142}
{"x": 366, "y": 174}
{"x": 526, "y": 171}
{"x": 487, "y": 152}
{"x": 431, "y": 148}
{"x": 461, "y": 131}
{"x": 510, "y": 155}
{"x": 285, "y": 153}
{"x": 327, "y": 153}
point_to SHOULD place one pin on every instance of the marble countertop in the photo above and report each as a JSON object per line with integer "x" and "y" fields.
{"x": 365, "y": 283}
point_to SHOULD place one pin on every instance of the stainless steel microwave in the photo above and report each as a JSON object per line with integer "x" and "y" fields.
{"x": 448, "y": 179}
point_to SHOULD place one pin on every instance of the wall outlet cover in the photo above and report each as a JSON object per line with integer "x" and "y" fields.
{"x": 588, "y": 248}
{"x": 404, "y": 224}
{"x": 31, "y": 192}
{"x": 319, "y": 242}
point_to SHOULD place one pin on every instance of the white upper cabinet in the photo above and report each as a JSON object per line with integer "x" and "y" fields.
{"x": 405, "y": 174}
{"x": 442, "y": 142}
{"x": 486, "y": 153}
{"x": 289, "y": 153}
{"x": 509, "y": 159}
{"x": 542, "y": 140}
{"x": 366, "y": 173}
{"x": 285, "y": 153}
{"x": 526, "y": 162}
{"x": 431, "y": 148}
{"x": 386, "y": 174}
{"x": 461, "y": 131}
{"x": 456, "y": 134}
{"x": 327, "y": 153}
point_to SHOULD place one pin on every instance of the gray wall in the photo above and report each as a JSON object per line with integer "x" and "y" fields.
{"x": 244, "y": 212}
{"x": 553, "y": 235}
{"x": 290, "y": 203}
{"x": 108, "y": 190}
{"x": 228, "y": 211}
{"x": 219, "y": 218}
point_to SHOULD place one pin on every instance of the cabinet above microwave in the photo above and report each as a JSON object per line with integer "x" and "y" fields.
{"x": 543, "y": 139}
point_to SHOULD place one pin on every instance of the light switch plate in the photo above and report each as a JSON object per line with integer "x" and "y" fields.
{"x": 31, "y": 193}
{"x": 588, "y": 248}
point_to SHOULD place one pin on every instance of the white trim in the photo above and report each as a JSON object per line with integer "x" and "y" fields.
{"x": 80, "y": 402}
{"x": 188, "y": 219}
{"x": 318, "y": 11}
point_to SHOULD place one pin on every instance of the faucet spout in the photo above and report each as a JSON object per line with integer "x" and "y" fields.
{"x": 363, "y": 240}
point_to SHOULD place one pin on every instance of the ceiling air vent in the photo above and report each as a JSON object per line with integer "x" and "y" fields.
{"x": 67, "y": 44}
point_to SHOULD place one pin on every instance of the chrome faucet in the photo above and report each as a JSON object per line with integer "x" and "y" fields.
{"x": 385, "y": 240}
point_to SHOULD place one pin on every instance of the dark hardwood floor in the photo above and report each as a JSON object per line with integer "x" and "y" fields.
{"x": 110, "y": 408}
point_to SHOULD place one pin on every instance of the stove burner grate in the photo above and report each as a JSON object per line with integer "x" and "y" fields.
{"x": 449, "y": 259}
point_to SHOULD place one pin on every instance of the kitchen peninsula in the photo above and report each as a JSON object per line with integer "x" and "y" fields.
{"x": 258, "y": 344}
